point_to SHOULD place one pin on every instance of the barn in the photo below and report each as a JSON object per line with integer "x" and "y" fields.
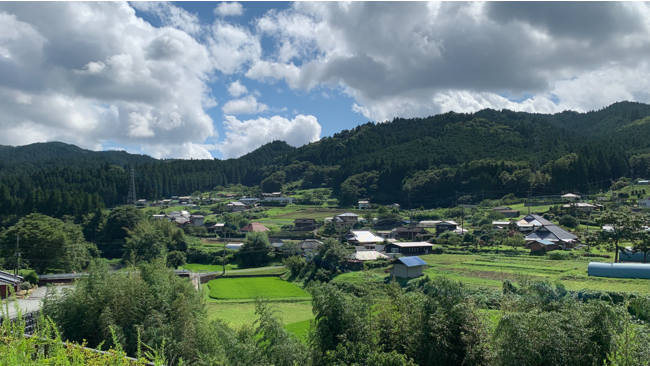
{"x": 408, "y": 267}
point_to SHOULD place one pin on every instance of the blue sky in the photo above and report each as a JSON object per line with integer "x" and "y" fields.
{"x": 220, "y": 79}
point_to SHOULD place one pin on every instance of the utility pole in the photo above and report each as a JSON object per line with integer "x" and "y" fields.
{"x": 16, "y": 257}
{"x": 131, "y": 198}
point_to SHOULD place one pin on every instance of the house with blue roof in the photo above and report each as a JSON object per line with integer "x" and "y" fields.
{"x": 408, "y": 267}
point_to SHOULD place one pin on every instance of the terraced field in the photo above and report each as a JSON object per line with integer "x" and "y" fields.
{"x": 249, "y": 288}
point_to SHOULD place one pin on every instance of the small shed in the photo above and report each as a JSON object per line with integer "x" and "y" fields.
{"x": 542, "y": 245}
{"x": 619, "y": 270}
{"x": 409, "y": 248}
{"x": 408, "y": 267}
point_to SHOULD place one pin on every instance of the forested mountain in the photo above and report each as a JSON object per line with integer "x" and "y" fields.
{"x": 439, "y": 160}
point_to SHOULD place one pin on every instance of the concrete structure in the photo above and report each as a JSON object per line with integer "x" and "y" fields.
{"x": 619, "y": 270}
{"x": 364, "y": 205}
{"x": 410, "y": 248}
{"x": 408, "y": 267}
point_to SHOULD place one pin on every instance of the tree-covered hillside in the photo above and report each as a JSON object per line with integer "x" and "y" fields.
{"x": 438, "y": 160}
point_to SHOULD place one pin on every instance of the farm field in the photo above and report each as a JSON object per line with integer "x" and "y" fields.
{"x": 249, "y": 288}
{"x": 294, "y": 315}
{"x": 490, "y": 271}
{"x": 209, "y": 267}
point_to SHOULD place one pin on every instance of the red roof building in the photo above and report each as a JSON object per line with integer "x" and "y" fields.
{"x": 254, "y": 226}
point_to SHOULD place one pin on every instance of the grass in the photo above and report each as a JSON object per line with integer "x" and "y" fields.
{"x": 300, "y": 329}
{"x": 491, "y": 270}
{"x": 249, "y": 288}
{"x": 268, "y": 271}
{"x": 293, "y": 314}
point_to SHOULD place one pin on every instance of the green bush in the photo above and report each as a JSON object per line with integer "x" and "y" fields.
{"x": 568, "y": 221}
{"x": 559, "y": 255}
{"x": 295, "y": 264}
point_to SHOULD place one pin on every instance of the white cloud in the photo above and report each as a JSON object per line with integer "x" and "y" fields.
{"x": 243, "y": 137}
{"x": 417, "y": 59}
{"x": 170, "y": 15}
{"x": 93, "y": 74}
{"x": 232, "y": 47}
{"x": 236, "y": 89}
{"x": 229, "y": 9}
{"x": 246, "y": 105}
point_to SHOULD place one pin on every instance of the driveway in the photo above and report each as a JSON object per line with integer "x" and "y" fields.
{"x": 30, "y": 304}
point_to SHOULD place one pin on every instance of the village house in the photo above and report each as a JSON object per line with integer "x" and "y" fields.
{"x": 310, "y": 246}
{"x": 443, "y": 226}
{"x": 583, "y": 206}
{"x": 216, "y": 228}
{"x": 408, "y": 233}
{"x": 570, "y": 197}
{"x": 249, "y": 201}
{"x": 643, "y": 182}
{"x": 142, "y": 202}
{"x": 506, "y": 211}
{"x": 644, "y": 202}
{"x": 236, "y": 207}
{"x": 364, "y": 205}
{"x": 7, "y": 282}
{"x": 349, "y": 218}
{"x": 364, "y": 238}
{"x": 409, "y": 248}
{"x": 532, "y": 221}
{"x": 305, "y": 224}
{"x": 552, "y": 233}
{"x": 542, "y": 245}
{"x": 254, "y": 227}
{"x": 394, "y": 205}
{"x": 276, "y": 197}
{"x": 408, "y": 267}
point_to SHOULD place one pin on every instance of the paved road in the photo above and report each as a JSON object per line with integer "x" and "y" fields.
{"x": 33, "y": 303}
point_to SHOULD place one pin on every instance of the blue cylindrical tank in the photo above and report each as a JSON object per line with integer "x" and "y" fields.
{"x": 619, "y": 270}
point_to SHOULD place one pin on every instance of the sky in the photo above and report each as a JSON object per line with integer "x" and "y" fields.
{"x": 207, "y": 80}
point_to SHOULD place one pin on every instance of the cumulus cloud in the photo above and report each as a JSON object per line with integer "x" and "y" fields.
{"x": 246, "y": 105}
{"x": 416, "y": 59}
{"x": 236, "y": 89}
{"x": 245, "y": 136}
{"x": 94, "y": 74}
{"x": 232, "y": 47}
{"x": 229, "y": 9}
{"x": 170, "y": 15}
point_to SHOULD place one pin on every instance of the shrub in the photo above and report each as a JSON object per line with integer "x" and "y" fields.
{"x": 294, "y": 264}
{"x": 558, "y": 255}
{"x": 568, "y": 221}
{"x": 31, "y": 277}
{"x": 438, "y": 250}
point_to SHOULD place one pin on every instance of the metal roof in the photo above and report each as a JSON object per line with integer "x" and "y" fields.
{"x": 414, "y": 244}
{"x": 536, "y": 220}
{"x": 411, "y": 261}
{"x": 348, "y": 214}
{"x": 10, "y": 278}
{"x": 363, "y": 236}
{"x": 545, "y": 242}
{"x": 368, "y": 255}
{"x": 552, "y": 233}
{"x": 619, "y": 270}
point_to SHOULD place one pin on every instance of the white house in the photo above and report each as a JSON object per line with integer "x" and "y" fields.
{"x": 643, "y": 182}
{"x": 364, "y": 205}
{"x": 236, "y": 206}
